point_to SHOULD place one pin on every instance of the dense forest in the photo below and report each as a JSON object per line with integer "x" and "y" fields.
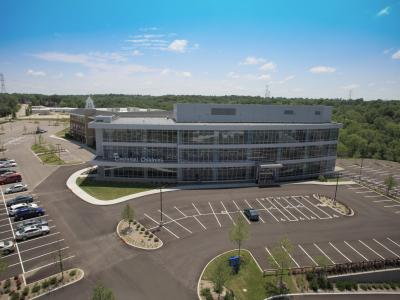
{"x": 371, "y": 129}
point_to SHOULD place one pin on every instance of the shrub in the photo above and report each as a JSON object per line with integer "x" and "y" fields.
{"x": 314, "y": 284}
{"x": 151, "y": 235}
{"x": 322, "y": 178}
{"x": 14, "y": 296}
{"x": 146, "y": 233}
{"x": 393, "y": 285}
{"x": 206, "y": 293}
{"x": 386, "y": 286}
{"x": 322, "y": 282}
{"x": 137, "y": 226}
{"x": 134, "y": 222}
{"x": 25, "y": 291}
{"x": 310, "y": 276}
{"x": 7, "y": 283}
{"x": 229, "y": 296}
{"x": 156, "y": 240}
{"x": 142, "y": 229}
{"x": 340, "y": 285}
{"x": 72, "y": 273}
{"x": 45, "y": 284}
{"x": 329, "y": 285}
{"x": 364, "y": 287}
{"x": 53, "y": 280}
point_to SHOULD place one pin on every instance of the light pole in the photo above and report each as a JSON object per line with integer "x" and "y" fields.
{"x": 161, "y": 207}
{"x": 337, "y": 184}
{"x": 361, "y": 165}
{"x": 59, "y": 150}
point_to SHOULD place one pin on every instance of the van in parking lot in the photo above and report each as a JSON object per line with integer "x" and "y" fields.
{"x": 28, "y": 213}
{"x": 10, "y": 178}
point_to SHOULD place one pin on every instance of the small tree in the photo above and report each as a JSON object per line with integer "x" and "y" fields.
{"x": 100, "y": 292}
{"x": 128, "y": 214}
{"x": 25, "y": 129}
{"x": 390, "y": 183}
{"x": 239, "y": 233}
{"x": 281, "y": 258}
{"x": 219, "y": 275}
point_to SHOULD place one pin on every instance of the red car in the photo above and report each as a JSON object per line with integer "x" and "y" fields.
{"x": 10, "y": 178}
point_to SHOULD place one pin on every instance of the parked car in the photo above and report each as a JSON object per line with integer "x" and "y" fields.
{"x": 251, "y": 214}
{"x": 20, "y": 199}
{"x": 6, "y": 247}
{"x": 28, "y": 213}
{"x": 8, "y": 164}
{"x": 11, "y": 178}
{"x": 13, "y": 208}
{"x": 16, "y": 188}
{"x": 5, "y": 172}
{"x": 40, "y": 130}
{"x": 33, "y": 222}
{"x": 31, "y": 231}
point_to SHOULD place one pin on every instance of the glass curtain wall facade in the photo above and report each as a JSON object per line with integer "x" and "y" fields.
{"x": 215, "y": 155}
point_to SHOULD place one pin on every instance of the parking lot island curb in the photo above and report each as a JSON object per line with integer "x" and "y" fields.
{"x": 62, "y": 286}
{"x": 215, "y": 257}
{"x": 331, "y": 293}
{"x": 136, "y": 246}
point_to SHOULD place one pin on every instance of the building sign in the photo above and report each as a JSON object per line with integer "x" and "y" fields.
{"x": 137, "y": 159}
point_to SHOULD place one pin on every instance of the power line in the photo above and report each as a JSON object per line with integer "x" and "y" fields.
{"x": 267, "y": 92}
{"x": 2, "y": 84}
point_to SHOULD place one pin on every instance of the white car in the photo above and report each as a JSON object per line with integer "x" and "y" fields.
{"x": 15, "y": 207}
{"x": 6, "y": 247}
{"x": 8, "y": 164}
{"x": 31, "y": 231}
{"x": 16, "y": 188}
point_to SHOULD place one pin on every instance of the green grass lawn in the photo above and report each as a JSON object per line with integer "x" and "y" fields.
{"x": 51, "y": 159}
{"x": 62, "y": 133}
{"x": 249, "y": 278}
{"x": 39, "y": 148}
{"x": 104, "y": 190}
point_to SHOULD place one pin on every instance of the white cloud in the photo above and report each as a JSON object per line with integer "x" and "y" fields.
{"x": 167, "y": 71}
{"x": 62, "y": 57}
{"x": 58, "y": 76}
{"x": 252, "y": 60}
{"x": 384, "y": 11}
{"x": 387, "y": 51}
{"x": 396, "y": 55}
{"x": 350, "y": 86}
{"x": 136, "y": 53}
{"x": 178, "y": 46}
{"x": 284, "y": 80}
{"x": 148, "y": 29}
{"x": 322, "y": 69}
{"x": 35, "y": 73}
{"x": 264, "y": 77}
{"x": 79, "y": 75}
{"x": 269, "y": 66}
{"x": 233, "y": 75}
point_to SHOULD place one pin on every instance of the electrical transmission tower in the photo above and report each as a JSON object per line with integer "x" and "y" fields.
{"x": 2, "y": 84}
{"x": 350, "y": 93}
{"x": 267, "y": 92}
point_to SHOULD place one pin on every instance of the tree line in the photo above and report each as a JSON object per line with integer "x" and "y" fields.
{"x": 371, "y": 129}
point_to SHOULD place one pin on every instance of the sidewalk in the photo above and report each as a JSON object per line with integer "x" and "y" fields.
{"x": 71, "y": 184}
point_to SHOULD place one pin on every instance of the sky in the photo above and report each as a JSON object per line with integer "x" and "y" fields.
{"x": 330, "y": 49}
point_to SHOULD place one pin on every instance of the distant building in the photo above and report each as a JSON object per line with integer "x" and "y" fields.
{"x": 206, "y": 143}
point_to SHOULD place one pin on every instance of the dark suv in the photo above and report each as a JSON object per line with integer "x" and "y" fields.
{"x": 20, "y": 199}
{"x": 251, "y": 214}
{"x": 28, "y": 213}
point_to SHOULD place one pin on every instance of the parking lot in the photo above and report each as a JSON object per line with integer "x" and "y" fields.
{"x": 37, "y": 257}
{"x": 188, "y": 218}
{"x": 334, "y": 252}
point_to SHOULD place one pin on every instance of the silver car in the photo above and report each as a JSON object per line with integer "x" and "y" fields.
{"x": 33, "y": 222}
{"x": 6, "y": 247}
{"x": 16, "y": 188}
{"x": 31, "y": 231}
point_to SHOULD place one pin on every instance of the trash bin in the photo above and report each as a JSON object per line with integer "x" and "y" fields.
{"x": 234, "y": 262}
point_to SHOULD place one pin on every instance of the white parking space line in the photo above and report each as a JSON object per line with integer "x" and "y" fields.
{"x": 216, "y": 218}
{"x": 395, "y": 205}
{"x": 267, "y": 210}
{"x": 227, "y": 212}
{"x": 306, "y": 207}
{"x": 44, "y": 245}
{"x": 45, "y": 254}
{"x": 196, "y": 209}
{"x": 202, "y": 225}
{"x": 273, "y": 258}
{"x": 241, "y": 211}
{"x": 5, "y": 231}
{"x": 378, "y": 201}
{"x": 393, "y": 242}
{"x": 316, "y": 246}
{"x": 356, "y": 251}
{"x": 180, "y": 211}
{"x": 50, "y": 264}
{"x": 291, "y": 257}
{"x": 394, "y": 253}
{"x": 371, "y": 249}
{"x": 312, "y": 204}
{"x": 146, "y": 215}
{"x": 275, "y": 207}
{"x": 292, "y": 206}
{"x": 16, "y": 244}
{"x": 276, "y": 200}
{"x": 340, "y": 252}
{"x": 176, "y": 222}
{"x": 248, "y": 204}
{"x": 364, "y": 192}
{"x": 308, "y": 255}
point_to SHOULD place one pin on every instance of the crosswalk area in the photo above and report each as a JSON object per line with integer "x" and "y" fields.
{"x": 191, "y": 217}
{"x": 333, "y": 252}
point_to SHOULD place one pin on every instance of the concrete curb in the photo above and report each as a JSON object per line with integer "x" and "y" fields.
{"x": 62, "y": 286}
{"x": 135, "y": 246}
{"x": 332, "y": 293}
{"x": 215, "y": 257}
{"x": 326, "y": 183}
